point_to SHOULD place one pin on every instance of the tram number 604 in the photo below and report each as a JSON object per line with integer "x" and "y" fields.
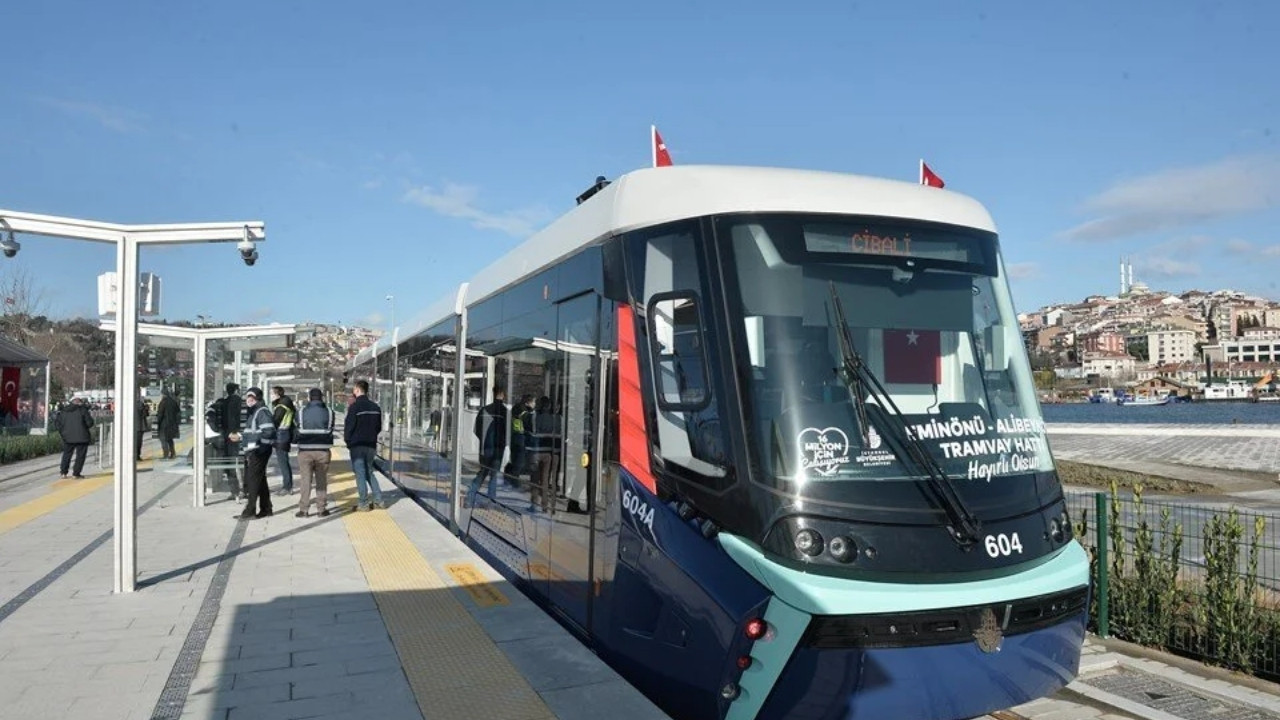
{"x": 1003, "y": 545}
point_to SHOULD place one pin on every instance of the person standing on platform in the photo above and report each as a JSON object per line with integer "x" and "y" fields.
{"x": 360, "y": 430}
{"x": 256, "y": 439}
{"x": 283, "y": 412}
{"x": 315, "y": 437}
{"x": 73, "y": 425}
{"x": 142, "y": 422}
{"x": 491, "y": 430}
{"x": 167, "y": 421}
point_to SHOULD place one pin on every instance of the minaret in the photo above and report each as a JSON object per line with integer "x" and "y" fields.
{"x": 1124, "y": 287}
{"x": 1130, "y": 283}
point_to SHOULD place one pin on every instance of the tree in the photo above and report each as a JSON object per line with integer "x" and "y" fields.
{"x": 1137, "y": 347}
{"x": 23, "y": 303}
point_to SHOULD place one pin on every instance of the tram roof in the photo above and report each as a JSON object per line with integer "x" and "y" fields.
{"x": 653, "y": 196}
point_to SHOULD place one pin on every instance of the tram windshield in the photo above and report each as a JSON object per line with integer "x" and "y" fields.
{"x": 929, "y": 315}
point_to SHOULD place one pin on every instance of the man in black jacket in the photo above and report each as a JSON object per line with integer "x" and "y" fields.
{"x": 360, "y": 430}
{"x": 73, "y": 425}
{"x": 258, "y": 438}
{"x": 491, "y": 431}
{"x": 167, "y": 422}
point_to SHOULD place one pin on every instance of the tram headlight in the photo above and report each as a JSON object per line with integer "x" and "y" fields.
{"x": 809, "y": 542}
{"x": 1055, "y": 530}
{"x": 842, "y": 549}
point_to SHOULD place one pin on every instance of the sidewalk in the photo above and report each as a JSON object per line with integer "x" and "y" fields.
{"x": 360, "y": 615}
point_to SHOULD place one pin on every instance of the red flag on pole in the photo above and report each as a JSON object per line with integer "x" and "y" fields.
{"x": 10, "y": 377}
{"x": 661, "y": 158}
{"x": 929, "y": 177}
{"x": 913, "y": 356}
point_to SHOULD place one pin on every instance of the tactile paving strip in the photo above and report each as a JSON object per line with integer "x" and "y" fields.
{"x": 174, "y": 696}
{"x": 453, "y": 667}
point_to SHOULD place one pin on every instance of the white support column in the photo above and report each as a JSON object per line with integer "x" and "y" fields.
{"x": 460, "y": 369}
{"x": 48, "y": 401}
{"x": 197, "y": 421}
{"x": 126, "y": 458}
{"x": 237, "y": 378}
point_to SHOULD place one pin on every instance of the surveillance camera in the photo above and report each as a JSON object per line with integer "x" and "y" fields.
{"x": 9, "y": 246}
{"x": 248, "y": 251}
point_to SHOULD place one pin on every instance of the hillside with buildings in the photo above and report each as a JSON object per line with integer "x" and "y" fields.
{"x": 1141, "y": 335}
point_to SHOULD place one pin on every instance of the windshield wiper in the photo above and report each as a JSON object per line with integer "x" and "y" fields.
{"x": 965, "y": 528}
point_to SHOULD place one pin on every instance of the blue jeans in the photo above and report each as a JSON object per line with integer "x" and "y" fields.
{"x": 362, "y": 466}
{"x": 286, "y": 470}
{"x": 488, "y": 468}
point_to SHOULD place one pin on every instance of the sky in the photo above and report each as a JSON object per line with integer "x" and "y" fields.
{"x": 395, "y": 148}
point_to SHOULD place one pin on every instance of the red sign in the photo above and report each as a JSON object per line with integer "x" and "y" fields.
{"x": 913, "y": 356}
{"x": 10, "y": 377}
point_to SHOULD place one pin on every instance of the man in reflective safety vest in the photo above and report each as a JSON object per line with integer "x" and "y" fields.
{"x": 282, "y": 413}
{"x": 315, "y": 437}
{"x": 257, "y": 439}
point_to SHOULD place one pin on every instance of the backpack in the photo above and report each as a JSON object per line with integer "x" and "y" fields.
{"x": 216, "y": 414}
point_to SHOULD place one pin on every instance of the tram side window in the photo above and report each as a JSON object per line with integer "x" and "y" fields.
{"x": 688, "y": 418}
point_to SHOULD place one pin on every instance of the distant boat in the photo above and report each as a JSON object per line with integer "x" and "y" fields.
{"x": 1145, "y": 401}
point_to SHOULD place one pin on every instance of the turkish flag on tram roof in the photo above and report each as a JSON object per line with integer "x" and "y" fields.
{"x": 913, "y": 356}
{"x": 929, "y": 177}
{"x": 661, "y": 158}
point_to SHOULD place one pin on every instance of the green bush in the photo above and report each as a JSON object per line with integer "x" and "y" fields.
{"x": 16, "y": 448}
{"x": 1217, "y": 611}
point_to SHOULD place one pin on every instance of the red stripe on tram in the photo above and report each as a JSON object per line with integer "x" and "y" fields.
{"x": 634, "y": 442}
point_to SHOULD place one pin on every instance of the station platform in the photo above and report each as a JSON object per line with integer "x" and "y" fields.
{"x": 378, "y": 614}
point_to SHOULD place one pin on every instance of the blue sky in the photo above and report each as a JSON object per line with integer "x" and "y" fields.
{"x": 399, "y": 147}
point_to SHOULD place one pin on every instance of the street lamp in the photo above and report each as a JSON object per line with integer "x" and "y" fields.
{"x": 128, "y": 239}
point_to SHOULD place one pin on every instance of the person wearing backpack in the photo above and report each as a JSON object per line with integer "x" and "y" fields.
{"x": 284, "y": 413}
{"x": 215, "y": 438}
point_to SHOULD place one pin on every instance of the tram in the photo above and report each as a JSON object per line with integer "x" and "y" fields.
{"x": 768, "y": 443}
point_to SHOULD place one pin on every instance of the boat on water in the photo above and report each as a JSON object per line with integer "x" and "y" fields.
{"x": 1232, "y": 390}
{"x": 1143, "y": 401}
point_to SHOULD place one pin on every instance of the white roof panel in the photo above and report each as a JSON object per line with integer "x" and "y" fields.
{"x": 653, "y": 196}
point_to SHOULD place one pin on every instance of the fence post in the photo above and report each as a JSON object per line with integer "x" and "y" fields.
{"x": 1104, "y": 565}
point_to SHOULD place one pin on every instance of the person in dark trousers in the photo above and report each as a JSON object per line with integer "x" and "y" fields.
{"x": 521, "y": 431}
{"x": 360, "y": 430}
{"x": 167, "y": 421}
{"x": 232, "y": 422}
{"x": 256, "y": 438}
{"x": 284, "y": 413}
{"x": 73, "y": 424}
{"x": 315, "y": 437}
{"x": 220, "y": 446}
{"x": 491, "y": 431}
{"x": 142, "y": 425}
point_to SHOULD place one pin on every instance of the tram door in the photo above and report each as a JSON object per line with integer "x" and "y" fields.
{"x": 577, "y": 343}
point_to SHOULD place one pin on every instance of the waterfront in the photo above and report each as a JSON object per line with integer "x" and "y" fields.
{"x": 1196, "y": 413}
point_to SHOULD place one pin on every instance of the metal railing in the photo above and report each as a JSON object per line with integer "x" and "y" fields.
{"x": 1198, "y": 580}
{"x": 106, "y": 448}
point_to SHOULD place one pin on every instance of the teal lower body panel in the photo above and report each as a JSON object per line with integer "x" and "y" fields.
{"x": 941, "y": 682}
